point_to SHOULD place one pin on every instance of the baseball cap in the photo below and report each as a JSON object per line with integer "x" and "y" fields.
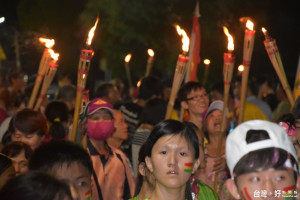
{"x": 215, "y": 105}
{"x": 237, "y": 146}
{"x": 97, "y": 104}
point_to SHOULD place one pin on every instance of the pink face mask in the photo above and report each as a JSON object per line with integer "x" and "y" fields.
{"x": 100, "y": 130}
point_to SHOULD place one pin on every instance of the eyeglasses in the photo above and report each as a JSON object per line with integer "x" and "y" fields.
{"x": 197, "y": 97}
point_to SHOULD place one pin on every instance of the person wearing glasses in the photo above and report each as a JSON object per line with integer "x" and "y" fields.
{"x": 194, "y": 99}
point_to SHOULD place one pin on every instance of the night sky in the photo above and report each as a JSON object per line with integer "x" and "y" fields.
{"x": 282, "y": 23}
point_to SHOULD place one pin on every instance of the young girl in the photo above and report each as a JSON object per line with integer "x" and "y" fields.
{"x": 172, "y": 152}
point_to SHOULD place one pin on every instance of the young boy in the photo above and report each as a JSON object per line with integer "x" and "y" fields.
{"x": 262, "y": 162}
{"x": 68, "y": 162}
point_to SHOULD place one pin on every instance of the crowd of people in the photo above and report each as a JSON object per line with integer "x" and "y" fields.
{"x": 126, "y": 149}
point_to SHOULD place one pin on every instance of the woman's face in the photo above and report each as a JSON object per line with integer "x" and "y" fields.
{"x": 213, "y": 122}
{"x": 33, "y": 139}
{"x": 172, "y": 161}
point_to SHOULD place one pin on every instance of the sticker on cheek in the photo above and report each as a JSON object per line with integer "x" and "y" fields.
{"x": 289, "y": 192}
{"x": 88, "y": 195}
{"x": 188, "y": 167}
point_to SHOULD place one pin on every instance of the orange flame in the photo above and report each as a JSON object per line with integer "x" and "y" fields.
{"x": 138, "y": 84}
{"x": 150, "y": 52}
{"x": 48, "y": 42}
{"x": 264, "y": 31}
{"x": 230, "y": 45}
{"x": 53, "y": 55}
{"x": 185, "y": 39}
{"x": 127, "y": 58}
{"x": 206, "y": 61}
{"x": 91, "y": 33}
{"x": 249, "y": 25}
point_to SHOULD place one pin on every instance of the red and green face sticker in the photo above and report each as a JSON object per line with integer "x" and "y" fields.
{"x": 88, "y": 195}
{"x": 188, "y": 167}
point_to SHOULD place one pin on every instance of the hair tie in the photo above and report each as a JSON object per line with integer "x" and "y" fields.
{"x": 57, "y": 119}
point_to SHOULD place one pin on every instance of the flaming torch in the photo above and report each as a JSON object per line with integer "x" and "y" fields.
{"x": 179, "y": 71}
{"x": 248, "y": 49}
{"x": 43, "y": 67}
{"x": 272, "y": 50}
{"x": 83, "y": 70}
{"x": 207, "y": 64}
{"x": 49, "y": 75}
{"x": 127, "y": 60}
{"x": 149, "y": 62}
{"x": 227, "y": 75}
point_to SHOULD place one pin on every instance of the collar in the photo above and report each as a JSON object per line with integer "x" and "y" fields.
{"x": 93, "y": 150}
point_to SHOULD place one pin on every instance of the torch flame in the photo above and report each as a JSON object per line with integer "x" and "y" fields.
{"x": 241, "y": 68}
{"x": 53, "y": 55}
{"x": 206, "y": 61}
{"x": 91, "y": 33}
{"x": 151, "y": 52}
{"x": 48, "y": 42}
{"x": 128, "y": 57}
{"x": 249, "y": 25}
{"x": 230, "y": 45}
{"x": 264, "y": 31}
{"x": 185, "y": 39}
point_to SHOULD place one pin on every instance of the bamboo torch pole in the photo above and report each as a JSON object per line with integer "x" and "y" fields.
{"x": 43, "y": 67}
{"x": 272, "y": 50}
{"x": 49, "y": 75}
{"x": 180, "y": 71}
{"x": 247, "y": 54}
{"x": 86, "y": 56}
{"x": 127, "y": 60}
{"x": 227, "y": 76}
{"x": 149, "y": 62}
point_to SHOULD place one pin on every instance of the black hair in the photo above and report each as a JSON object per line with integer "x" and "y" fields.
{"x": 150, "y": 85}
{"x": 28, "y": 121}
{"x": 14, "y": 73}
{"x": 140, "y": 178}
{"x": 35, "y": 185}
{"x": 15, "y": 148}
{"x": 45, "y": 157}
{"x": 154, "y": 111}
{"x": 219, "y": 87}
{"x": 56, "y": 112}
{"x": 296, "y": 108}
{"x": 289, "y": 119}
{"x": 172, "y": 127}
{"x": 262, "y": 159}
{"x": 5, "y": 163}
{"x": 103, "y": 90}
{"x": 66, "y": 93}
{"x": 188, "y": 88}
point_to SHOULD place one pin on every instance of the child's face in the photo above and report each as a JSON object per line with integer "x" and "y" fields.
{"x": 76, "y": 176}
{"x": 20, "y": 163}
{"x": 272, "y": 183}
{"x": 33, "y": 139}
{"x": 172, "y": 161}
